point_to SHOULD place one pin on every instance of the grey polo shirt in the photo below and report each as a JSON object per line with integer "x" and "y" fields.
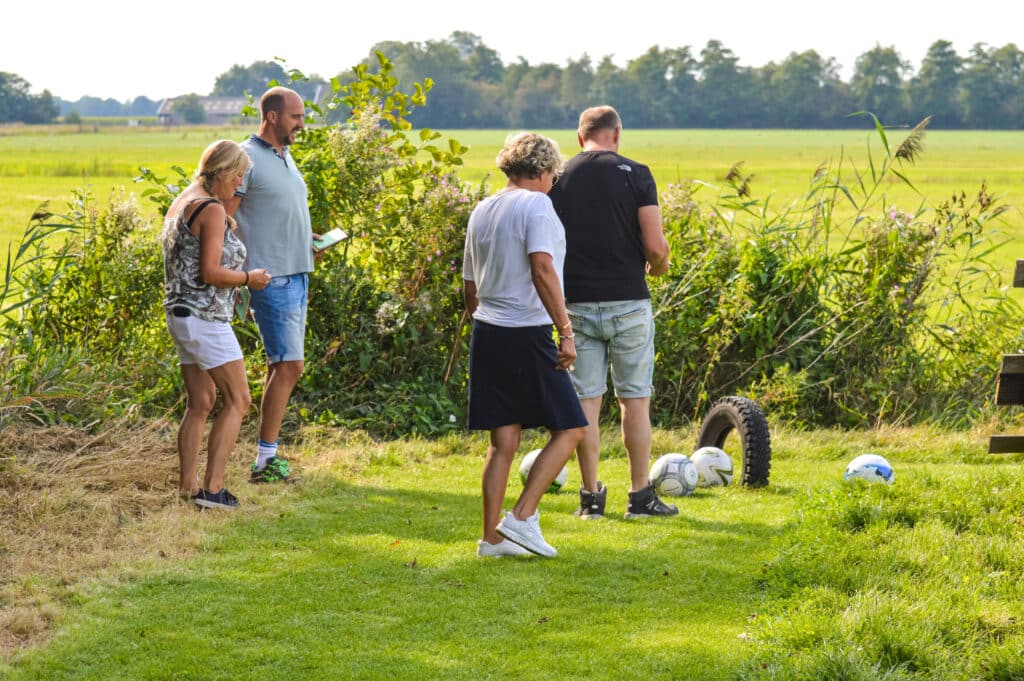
{"x": 273, "y": 217}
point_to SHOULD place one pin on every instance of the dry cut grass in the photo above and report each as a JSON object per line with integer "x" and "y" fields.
{"x": 75, "y": 505}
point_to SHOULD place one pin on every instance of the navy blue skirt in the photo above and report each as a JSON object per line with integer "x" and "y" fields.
{"x": 513, "y": 380}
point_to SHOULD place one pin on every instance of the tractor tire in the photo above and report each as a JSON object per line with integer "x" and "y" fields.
{"x": 748, "y": 420}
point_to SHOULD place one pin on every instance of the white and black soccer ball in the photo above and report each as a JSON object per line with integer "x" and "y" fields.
{"x": 870, "y": 467}
{"x": 527, "y": 464}
{"x": 714, "y": 467}
{"x": 674, "y": 475}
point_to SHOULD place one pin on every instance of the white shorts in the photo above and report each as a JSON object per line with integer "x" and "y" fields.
{"x": 208, "y": 344}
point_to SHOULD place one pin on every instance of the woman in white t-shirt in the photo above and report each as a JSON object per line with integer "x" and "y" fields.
{"x": 518, "y": 378}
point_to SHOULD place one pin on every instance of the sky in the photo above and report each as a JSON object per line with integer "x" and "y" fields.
{"x": 118, "y": 49}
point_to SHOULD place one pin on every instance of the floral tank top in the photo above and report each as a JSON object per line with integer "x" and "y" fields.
{"x": 183, "y": 286}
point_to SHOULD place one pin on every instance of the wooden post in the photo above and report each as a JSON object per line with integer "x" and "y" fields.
{"x": 1018, "y": 274}
{"x": 1010, "y": 387}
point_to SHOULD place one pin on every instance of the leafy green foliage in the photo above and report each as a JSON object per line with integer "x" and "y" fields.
{"x": 387, "y": 334}
{"x": 889, "y": 316}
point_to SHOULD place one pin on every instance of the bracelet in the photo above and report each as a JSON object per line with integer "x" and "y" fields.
{"x": 561, "y": 337}
{"x": 246, "y": 282}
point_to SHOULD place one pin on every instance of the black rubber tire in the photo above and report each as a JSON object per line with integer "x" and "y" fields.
{"x": 746, "y": 418}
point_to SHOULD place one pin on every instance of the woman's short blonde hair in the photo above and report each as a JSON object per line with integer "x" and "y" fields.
{"x": 223, "y": 156}
{"x": 528, "y": 154}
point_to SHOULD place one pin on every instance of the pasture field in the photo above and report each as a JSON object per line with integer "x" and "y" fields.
{"x": 48, "y": 163}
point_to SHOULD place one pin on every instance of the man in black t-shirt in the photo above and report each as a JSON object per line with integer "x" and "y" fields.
{"x": 609, "y": 207}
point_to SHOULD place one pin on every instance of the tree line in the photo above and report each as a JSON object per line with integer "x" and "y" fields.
{"x": 676, "y": 88}
{"x": 662, "y": 88}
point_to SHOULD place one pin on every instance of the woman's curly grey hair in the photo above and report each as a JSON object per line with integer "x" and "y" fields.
{"x": 528, "y": 154}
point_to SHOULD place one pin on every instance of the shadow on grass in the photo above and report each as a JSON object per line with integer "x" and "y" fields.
{"x": 354, "y": 581}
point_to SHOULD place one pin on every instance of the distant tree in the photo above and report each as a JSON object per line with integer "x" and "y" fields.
{"x": 618, "y": 88}
{"x": 935, "y": 90}
{"x": 72, "y": 117}
{"x": 536, "y": 102}
{"x": 725, "y": 89}
{"x": 253, "y": 79}
{"x": 142, "y": 106}
{"x": 805, "y": 91}
{"x": 651, "y": 73}
{"x": 94, "y": 106}
{"x": 190, "y": 107}
{"x": 877, "y": 84}
{"x": 993, "y": 87}
{"x": 17, "y": 103}
{"x": 681, "y": 87}
{"x": 483, "y": 64}
{"x": 577, "y": 79}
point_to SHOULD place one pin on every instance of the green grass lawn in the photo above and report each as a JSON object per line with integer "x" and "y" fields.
{"x": 367, "y": 570}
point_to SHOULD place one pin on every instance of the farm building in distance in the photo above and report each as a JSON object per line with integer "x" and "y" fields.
{"x": 218, "y": 110}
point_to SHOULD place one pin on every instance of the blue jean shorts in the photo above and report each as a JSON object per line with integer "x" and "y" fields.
{"x": 618, "y": 335}
{"x": 280, "y": 311}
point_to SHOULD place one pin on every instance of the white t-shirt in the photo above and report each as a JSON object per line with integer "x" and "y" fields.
{"x": 503, "y": 230}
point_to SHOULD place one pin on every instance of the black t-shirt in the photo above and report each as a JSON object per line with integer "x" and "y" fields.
{"x": 597, "y": 198}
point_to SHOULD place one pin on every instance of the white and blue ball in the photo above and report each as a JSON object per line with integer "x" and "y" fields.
{"x": 674, "y": 475}
{"x": 870, "y": 467}
{"x": 714, "y": 467}
{"x": 527, "y": 464}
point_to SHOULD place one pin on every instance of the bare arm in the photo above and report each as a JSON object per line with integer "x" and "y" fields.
{"x": 210, "y": 226}
{"x": 469, "y": 295}
{"x": 549, "y": 288}
{"x": 232, "y": 204}
{"x": 656, "y": 248}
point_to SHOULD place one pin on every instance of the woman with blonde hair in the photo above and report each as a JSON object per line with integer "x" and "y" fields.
{"x": 512, "y": 272}
{"x": 202, "y": 270}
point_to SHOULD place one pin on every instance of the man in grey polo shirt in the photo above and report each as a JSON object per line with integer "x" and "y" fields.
{"x": 273, "y": 222}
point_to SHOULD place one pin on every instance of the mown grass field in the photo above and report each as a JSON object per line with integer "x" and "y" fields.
{"x": 367, "y": 570}
{"x": 47, "y": 164}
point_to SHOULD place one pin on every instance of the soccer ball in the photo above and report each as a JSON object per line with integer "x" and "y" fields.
{"x": 714, "y": 467}
{"x": 870, "y": 467}
{"x": 527, "y": 464}
{"x": 674, "y": 475}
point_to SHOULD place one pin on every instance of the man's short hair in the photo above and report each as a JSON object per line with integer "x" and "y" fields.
{"x": 598, "y": 118}
{"x": 272, "y": 100}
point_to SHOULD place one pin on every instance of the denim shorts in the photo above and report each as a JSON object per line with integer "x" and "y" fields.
{"x": 617, "y": 334}
{"x": 280, "y": 311}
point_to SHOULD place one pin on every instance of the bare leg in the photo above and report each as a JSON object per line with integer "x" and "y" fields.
{"x": 504, "y": 445}
{"x": 281, "y": 380}
{"x": 234, "y": 388}
{"x": 589, "y": 450}
{"x": 636, "y": 436}
{"x": 200, "y": 395}
{"x": 547, "y": 465}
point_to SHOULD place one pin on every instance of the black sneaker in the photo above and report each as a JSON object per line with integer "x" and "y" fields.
{"x": 221, "y": 499}
{"x": 645, "y": 504}
{"x": 592, "y": 503}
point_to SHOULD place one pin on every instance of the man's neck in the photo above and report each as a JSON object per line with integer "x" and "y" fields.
{"x": 269, "y": 138}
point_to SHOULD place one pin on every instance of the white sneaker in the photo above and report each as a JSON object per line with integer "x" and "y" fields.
{"x": 526, "y": 533}
{"x": 503, "y": 548}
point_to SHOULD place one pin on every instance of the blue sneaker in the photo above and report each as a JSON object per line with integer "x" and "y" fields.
{"x": 221, "y": 499}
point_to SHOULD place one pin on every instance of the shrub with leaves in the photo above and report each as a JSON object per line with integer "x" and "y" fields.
{"x": 884, "y": 316}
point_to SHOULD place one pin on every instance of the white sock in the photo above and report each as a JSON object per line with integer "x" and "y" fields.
{"x": 265, "y": 451}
